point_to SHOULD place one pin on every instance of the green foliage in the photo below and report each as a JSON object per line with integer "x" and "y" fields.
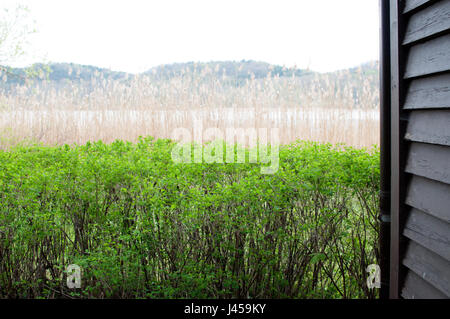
{"x": 141, "y": 226}
{"x": 15, "y": 30}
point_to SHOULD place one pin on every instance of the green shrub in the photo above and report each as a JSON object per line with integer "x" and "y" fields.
{"x": 142, "y": 226}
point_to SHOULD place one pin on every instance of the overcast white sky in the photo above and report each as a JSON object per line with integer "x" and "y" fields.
{"x": 133, "y": 35}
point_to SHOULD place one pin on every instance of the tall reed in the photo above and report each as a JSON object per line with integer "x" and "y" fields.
{"x": 337, "y": 107}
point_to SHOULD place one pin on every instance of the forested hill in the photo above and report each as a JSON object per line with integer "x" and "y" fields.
{"x": 70, "y": 72}
{"x": 244, "y": 69}
{"x": 59, "y": 72}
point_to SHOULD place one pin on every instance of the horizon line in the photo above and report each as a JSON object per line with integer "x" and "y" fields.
{"x": 192, "y": 62}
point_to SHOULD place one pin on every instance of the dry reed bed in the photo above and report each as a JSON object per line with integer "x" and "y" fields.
{"x": 315, "y": 107}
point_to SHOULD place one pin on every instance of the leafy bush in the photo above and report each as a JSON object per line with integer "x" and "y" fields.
{"x": 142, "y": 226}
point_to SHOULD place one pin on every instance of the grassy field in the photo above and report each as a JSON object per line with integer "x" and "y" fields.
{"x": 141, "y": 226}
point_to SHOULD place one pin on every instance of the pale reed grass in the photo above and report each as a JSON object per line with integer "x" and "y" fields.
{"x": 314, "y": 107}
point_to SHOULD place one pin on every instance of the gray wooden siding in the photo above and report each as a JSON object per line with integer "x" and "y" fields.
{"x": 427, "y": 22}
{"x": 426, "y": 110}
{"x": 414, "y": 4}
{"x": 429, "y": 92}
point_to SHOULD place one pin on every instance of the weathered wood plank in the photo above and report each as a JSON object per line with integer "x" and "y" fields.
{"x": 429, "y": 92}
{"x": 429, "y": 160}
{"x": 429, "y": 231}
{"x": 413, "y": 4}
{"x": 417, "y": 288}
{"x": 429, "y": 57}
{"x": 429, "y": 127}
{"x": 429, "y": 196}
{"x": 427, "y": 22}
{"x": 430, "y": 267}
{"x": 396, "y": 181}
